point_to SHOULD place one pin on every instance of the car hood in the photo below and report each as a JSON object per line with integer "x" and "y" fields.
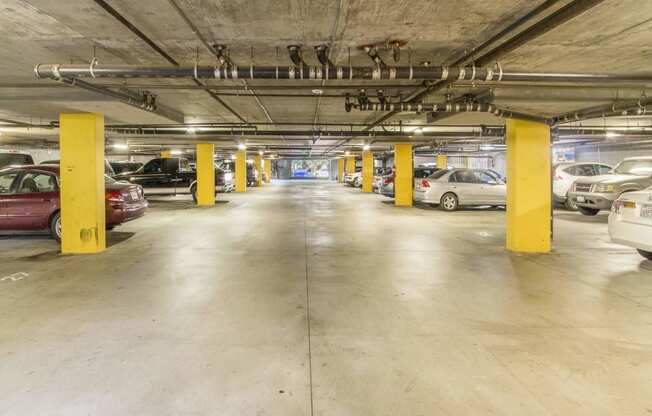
{"x": 610, "y": 178}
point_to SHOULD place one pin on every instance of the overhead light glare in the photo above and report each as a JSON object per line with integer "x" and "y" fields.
{"x": 242, "y": 146}
{"x": 120, "y": 146}
{"x": 176, "y": 152}
{"x": 366, "y": 147}
{"x": 191, "y": 130}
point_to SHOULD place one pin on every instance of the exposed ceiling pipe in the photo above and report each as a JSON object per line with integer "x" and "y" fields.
{"x": 308, "y": 72}
{"x": 555, "y": 19}
{"x": 622, "y": 108}
{"x": 483, "y": 96}
{"x": 296, "y": 56}
{"x": 143, "y": 101}
{"x": 159, "y": 50}
{"x": 322, "y": 55}
{"x": 452, "y": 108}
{"x": 375, "y": 57}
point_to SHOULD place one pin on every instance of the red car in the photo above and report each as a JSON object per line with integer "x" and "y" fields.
{"x": 29, "y": 200}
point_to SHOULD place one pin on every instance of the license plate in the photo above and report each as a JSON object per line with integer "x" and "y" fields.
{"x": 580, "y": 199}
{"x": 646, "y": 211}
{"x": 134, "y": 195}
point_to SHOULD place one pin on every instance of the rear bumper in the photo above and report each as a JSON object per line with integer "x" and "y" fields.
{"x": 118, "y": 214}
{"x": 593, "y": 200}
{"x": 630, "y": 234}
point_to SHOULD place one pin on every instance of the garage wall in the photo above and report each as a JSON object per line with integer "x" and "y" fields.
{"x": 608, "y": 154}
{"x": 39, "y": 155}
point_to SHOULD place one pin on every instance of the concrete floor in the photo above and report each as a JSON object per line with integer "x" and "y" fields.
{"x": 309, "y": 297}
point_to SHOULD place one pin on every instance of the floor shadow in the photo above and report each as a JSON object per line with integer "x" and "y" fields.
{"x": 117, "y": 237}
{"x": 577, "y": 217}
{"x": 175, "y": 205}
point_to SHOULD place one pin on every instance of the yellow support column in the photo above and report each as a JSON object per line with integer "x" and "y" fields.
{"x": 403, "y": 175}
{"x": 241, "y": 171}
{"x": 350, "y": 164}
{"x": 205, "y": 174}
{"x": 166, "y": 154}
{"x": 82, "y": 195}
{"x": 367, "y": 171}
{"x": 340, "y": 170}
{"x": 268, "y": 169}
{"x": 258, "y": 164}
{"x": 442, "y": 161}
{"x": 529, "y": 201}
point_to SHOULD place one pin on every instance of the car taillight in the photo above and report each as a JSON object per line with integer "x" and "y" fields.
{"x": 114, "y": 196}
{"x": 387, "y": 181}
{"x": 425, "y": 184}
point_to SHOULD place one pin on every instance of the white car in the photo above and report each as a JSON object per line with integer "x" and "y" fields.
{"x": 630, "y": 221}
{"x": 453, "y": 188}
{"x": 564, "y": 174}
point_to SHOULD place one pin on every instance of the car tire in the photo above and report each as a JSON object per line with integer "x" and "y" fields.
{"x": 644, "y": 253}
{"x": 569, "y": 204}
{"x": 588, "y": 211}
{"x": 357, "y": 183}
{"x": 449, "y": 202}
{"x": 55, "y": 226}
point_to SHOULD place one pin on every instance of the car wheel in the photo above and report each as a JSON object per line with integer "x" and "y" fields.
{"x": 193, "y": 192}
{"x": 588, "y": 211}
{"x": 448, "y": 202}
{"x": 357, "y": 183}
{"x": 646, "y": 254}
{"x": 570, "y": 204}
{"x": 55, "y": 226}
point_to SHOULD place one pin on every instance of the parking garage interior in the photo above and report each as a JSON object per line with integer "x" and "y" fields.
{"x": 347, "y": 207}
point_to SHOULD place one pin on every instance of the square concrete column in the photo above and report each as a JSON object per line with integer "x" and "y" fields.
{"x": 241, "y": 171}
{"x": 367, "y": 171}
{"x": 442, "y": 161}
{"x": 268, "y": 169}
{"x": 529, "y": 201}
{"x": 258, "y": 164}
{"x": 82, "y": 195}
{"x": 340, "y": 170}
{"x": 403, "y": 175}
{"x": 205, "y": 174}
{"x": 350, "y": 164}
{"x": 166, "y": 154}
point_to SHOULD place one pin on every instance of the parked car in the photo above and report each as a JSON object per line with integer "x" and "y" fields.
{"x": 108, "y": 169}
{"x": 29, "y": 200}
{"x": 15, "y": 159}
{"x": 125, "y": 166}
{"x": 171, "y": 176}
{"x": 419, "y": 173}
{"x": 630, "y": 221}
{"x": 354, "y": 178}
{"x": 228, "y": 165}
{"x": 379, "y": 173}
{"x": 564, "y": 174}
{"x": 591, "y": 195}
{"x": 453, "y": 188}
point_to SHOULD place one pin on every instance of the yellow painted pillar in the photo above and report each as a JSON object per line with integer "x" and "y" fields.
{"x": 166, "y": 154}
{"x": 367, "y": 171}
{"x": 82, "y": 195}
{"x": 258, "y": 164}
{"x": 241, "y": 171}
{"x": 442, "y": 161}
{"x": 350, "y": 164}
{"x": 268, "y": 169}
{"x": 529, "y": 216}
{"x": 340, "y": 170}
{"x": 205, "y": 174}
{"x": 403, "y": 175}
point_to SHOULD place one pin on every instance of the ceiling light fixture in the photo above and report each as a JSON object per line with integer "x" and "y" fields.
{"x": 233, "y": 157}
{"x": 317, "y": 91}
{"x": 366, "y": 147}
{"x": 260, "y": 152}
{"x": 242, "y": 146}
{"x": 611, "y": 135}
{"x": 176, "y": 152}
{"x": 417, "y": 130}
{"x": 347, "y": 153}
{"x": 120, "y": 146}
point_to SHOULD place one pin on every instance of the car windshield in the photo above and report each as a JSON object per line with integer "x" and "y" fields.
{"x": 109, "y": 180}
{"x": 640, "y": 167}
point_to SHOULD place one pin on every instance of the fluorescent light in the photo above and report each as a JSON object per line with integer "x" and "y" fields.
{"x": 366, "y": 147}
{"x": 418, "y": 130}
{"x": 611, "y": 134}
{"x": 260, "y": 152}
{"x": 317, "y": 91}
{"x": 120, "y": 146}
{"x": 233, "y": 157}
{"x": 176, "y": 152}
{"x": 242, "y": 146}
{"x": 347, "y": 153}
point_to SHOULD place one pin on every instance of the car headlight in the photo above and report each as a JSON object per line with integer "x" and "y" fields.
{"x": 604, "y": 188}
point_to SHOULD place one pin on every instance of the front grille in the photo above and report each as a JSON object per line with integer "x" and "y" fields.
{"x": 583, "y": 187}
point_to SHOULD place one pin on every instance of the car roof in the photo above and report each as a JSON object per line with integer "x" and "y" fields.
{"x": 47, "y": 168}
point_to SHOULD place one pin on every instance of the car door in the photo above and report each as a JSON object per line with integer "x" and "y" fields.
{"x": 462, "y": 183}
{"x": 7, "y": 189}
{"x": 154, "y": 179}
{"x": 492, "y": 190}
{"x": 35, "y": 197}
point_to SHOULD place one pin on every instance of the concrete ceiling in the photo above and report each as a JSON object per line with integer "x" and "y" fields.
{"x": 613, "y": 37}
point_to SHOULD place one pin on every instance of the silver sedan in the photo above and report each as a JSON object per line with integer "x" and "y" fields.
{"x": 451, "y": 189}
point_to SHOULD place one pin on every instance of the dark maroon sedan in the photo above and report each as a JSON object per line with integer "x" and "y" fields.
{"x": 29, "y": 200}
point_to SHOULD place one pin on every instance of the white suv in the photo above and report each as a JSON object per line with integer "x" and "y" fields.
{"x": 564, "y": 174}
